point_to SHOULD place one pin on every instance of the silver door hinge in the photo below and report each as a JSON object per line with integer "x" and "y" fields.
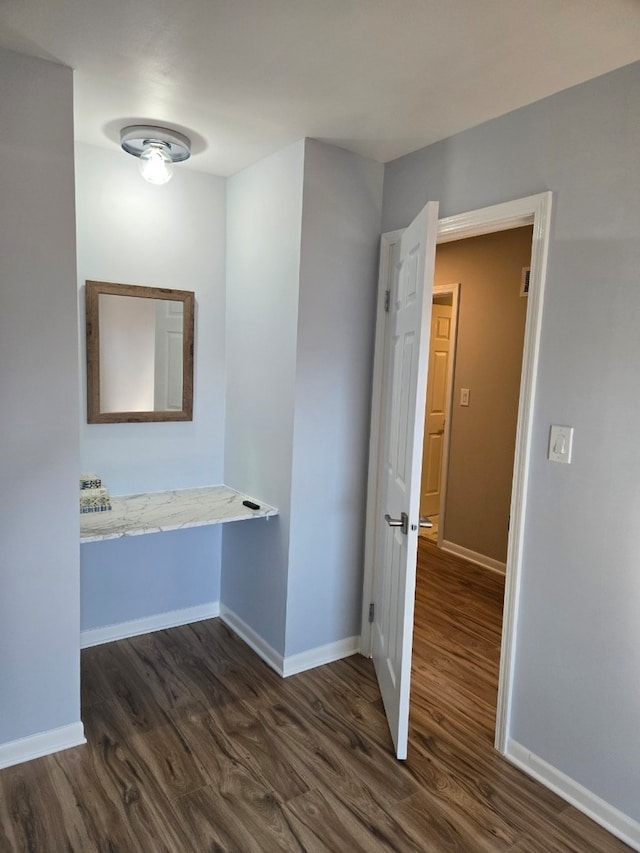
{"x": 372, "y": 608}
{"x": 387, "y": 301}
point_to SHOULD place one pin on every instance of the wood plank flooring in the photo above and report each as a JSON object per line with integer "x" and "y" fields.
{"x": 195, "y": 745}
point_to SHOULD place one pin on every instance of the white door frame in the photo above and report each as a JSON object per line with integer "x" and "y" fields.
{"x": 443, "y": 290}
{"x": 533, "y": 210}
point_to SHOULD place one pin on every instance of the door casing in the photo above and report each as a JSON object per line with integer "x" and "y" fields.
{"x": 533, "y": 210}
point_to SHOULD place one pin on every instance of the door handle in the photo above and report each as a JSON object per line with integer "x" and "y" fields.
{"x": 402, "y": 522}
{"x": 424, "y": 521}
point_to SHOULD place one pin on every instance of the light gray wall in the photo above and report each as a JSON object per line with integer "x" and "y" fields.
{"x": 39, "y": 571}
{"x": 576, "y": 700}
{"x": 174, "y": 235}
{"x": 302, "y": 254}
{"x": 336, "y": 320}
{"x": 139, "y": 576}
{"x": 263, "y": 269}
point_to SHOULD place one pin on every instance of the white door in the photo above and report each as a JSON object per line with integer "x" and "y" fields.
{"x": 403, "y": 428}
{"x": 168, "y": 361}
{"x": 438, "y": 378}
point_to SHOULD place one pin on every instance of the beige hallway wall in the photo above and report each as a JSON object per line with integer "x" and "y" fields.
{"x": 488, "y": 362}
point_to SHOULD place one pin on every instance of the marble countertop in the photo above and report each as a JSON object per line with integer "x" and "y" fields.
{"x": 134, "y": 515}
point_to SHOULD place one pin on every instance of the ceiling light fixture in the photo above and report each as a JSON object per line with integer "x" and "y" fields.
{"x": 158, "y": 149}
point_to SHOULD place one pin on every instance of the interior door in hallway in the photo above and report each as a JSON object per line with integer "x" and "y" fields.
{"x": 399, "y": 469}
{"x": 168, "y": 356}
{"x": 440, "y": 351}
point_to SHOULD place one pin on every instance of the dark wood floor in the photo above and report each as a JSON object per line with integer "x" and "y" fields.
{"x": 196, "y": 745}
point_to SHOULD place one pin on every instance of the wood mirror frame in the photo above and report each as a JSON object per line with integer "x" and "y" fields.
{"x": 95, "y": 414}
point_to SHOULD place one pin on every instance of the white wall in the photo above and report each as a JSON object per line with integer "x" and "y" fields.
{"x": 132, "y": 232}
{"x": 39, "y": 572}
{"x": 336, "y": 322}
{"x": 264, "y": 228}
{"x": 174, "y": 235}
{"x": 576, "y": 701}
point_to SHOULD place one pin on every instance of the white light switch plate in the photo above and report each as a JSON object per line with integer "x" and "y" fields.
{"x": 464, "y": 396}
{"x": 560, "y": 443}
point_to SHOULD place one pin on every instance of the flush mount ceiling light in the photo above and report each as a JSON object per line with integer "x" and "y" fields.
{"x": 158, "y": 149}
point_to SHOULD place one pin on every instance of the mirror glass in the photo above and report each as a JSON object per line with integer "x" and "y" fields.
{"x": 139, "y": 353}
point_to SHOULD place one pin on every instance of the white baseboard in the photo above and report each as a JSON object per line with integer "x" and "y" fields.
{"x": 43, "y": 743}
{"x": 268, "y": 654}
{"x": 474, "y": 557}
{"x": 283, "y": 666}
{"x": 321, "y": 655}
{"x": 157, "y": 622}
{"x": 611, "y": 818}
{"x": 293, "y": 664}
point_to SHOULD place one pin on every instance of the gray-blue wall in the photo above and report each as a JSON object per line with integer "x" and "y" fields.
{"x": 39, "y": 467}
{"x": 336, "y": 322}
{"x": 576, "y": 700}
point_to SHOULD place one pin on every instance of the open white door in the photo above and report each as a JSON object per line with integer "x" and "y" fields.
{"x": 403, "y": 429}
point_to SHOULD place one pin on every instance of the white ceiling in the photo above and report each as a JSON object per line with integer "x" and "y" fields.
{"x": 381, "y": 77}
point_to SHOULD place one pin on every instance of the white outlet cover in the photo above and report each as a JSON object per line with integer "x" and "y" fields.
{"x": 560, "y": 443}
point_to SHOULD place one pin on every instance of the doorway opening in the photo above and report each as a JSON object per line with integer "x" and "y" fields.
{"x": 473, "y": 392}
{"x": 395, "y": 585}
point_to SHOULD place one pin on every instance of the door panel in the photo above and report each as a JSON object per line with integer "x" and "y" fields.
{"x": 403, "y": 428}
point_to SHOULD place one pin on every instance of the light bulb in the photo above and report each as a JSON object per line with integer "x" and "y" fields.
{"x": 155, "y": 164}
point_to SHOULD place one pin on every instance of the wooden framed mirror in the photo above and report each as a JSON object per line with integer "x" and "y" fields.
{"x": 139, "y": 353}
